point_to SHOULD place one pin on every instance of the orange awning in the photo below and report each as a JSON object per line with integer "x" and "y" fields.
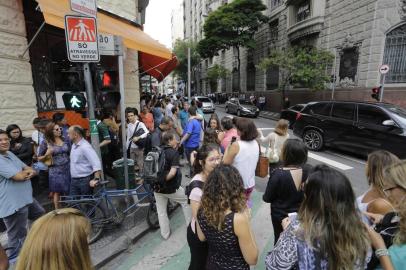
{"x": 54, "y": 12}
{"x": 156, "y": 66}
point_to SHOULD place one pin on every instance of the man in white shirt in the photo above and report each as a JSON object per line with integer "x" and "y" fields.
{"x": 168, "y": 109}
{"x": 136, "y": 138}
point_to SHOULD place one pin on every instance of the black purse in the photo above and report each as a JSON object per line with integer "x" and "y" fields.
{"x": 141, "y": 142}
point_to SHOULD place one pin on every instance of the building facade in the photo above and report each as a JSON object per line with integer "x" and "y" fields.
{"x": 177, "y": 29}
{"x": 361, "y": 34}
{"x": 33, "y": 79}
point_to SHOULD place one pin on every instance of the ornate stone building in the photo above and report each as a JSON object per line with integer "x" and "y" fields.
{"x": 363, "y": 35}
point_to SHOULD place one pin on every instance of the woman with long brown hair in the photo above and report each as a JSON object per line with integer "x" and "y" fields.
{"x": 223, "y": 220}
{"x": 55, "y": 148}
{"x": 57, "y": 240}
{"x": 328, "y": 232}
{"x": 374, "y": 199}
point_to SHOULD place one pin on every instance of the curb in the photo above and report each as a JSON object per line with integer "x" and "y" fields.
{"x": 101, "y": 256}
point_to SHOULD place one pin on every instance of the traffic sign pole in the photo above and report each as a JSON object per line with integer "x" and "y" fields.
{"x": 382, "y": 88}
{"x": 90, "y": 105}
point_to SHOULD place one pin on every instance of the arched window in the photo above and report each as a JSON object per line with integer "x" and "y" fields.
{"x": 251, "y": 77}
{"x": 395, "y": 55}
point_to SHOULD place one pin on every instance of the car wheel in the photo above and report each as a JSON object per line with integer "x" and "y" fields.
{"x": 313, "y": 140}
{"x": 226, "y": 109}
{"x": 238, "y": 113}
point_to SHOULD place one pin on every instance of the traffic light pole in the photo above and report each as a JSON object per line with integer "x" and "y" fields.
{"x": 94, "y": 135}
{"x": 382, "y": 88}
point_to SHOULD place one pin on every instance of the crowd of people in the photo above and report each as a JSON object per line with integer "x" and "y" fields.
{"x": 317, "y": 221}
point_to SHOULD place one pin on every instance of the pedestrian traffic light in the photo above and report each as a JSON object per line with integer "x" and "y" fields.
{"x": 376, "y": 91}
{"x": 74, "y": 101}
{"x": 109, "y": 99}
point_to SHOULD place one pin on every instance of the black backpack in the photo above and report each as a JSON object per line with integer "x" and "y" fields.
{"x": 191, "y": 186}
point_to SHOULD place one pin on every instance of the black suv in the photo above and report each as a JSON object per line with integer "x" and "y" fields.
{"x": 357, "y": 127}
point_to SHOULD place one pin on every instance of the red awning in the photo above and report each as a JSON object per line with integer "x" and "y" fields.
{"x": 156, "y": 66}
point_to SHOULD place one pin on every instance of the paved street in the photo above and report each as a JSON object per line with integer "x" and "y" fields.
{"x": 152, "y": 252}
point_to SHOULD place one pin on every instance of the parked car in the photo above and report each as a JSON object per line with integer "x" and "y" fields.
{"x": 241, "y": 107}
{"x": 207, "y": 104}
{"x": 291, "y": 113}
{"x": 357, "y": 127}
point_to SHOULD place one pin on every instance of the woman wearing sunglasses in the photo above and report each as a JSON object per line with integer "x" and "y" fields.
{"x": 56, "y": 150}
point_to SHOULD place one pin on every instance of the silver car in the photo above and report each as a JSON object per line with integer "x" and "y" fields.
{"x": 207, "y": 104}
{"x": 241, "y": 107}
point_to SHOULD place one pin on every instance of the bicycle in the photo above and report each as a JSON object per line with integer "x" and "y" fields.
{"x": 100, "y": 210}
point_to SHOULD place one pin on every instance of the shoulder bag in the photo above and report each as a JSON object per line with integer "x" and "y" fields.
{"x": 262, "y": 165}
{"x": 272, "y": 153}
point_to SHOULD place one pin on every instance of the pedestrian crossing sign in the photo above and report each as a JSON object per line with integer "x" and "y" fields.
{"x": 81, "y": 39}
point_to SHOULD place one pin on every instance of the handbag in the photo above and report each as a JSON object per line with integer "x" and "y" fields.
{"x": 272, "y": 153}
{"x": 137, "y": 132}
{"x": 48, "y": 161}
{"x": 262, "y": 165}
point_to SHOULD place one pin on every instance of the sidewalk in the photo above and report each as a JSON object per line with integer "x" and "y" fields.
{"x": 264, "y": 114}
{"x": 153, "y": 253}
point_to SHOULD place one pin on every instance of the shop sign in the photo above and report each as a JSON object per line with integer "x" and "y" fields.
{"x": 85, "y": 7}
{"x": 109, "y": 45}
{"x": 81, "y": 39}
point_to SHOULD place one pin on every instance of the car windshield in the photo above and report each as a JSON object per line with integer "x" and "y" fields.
{"x": 398, "y": 113}
{"x": 204, "y": 99}
{"x": 245, "y": 102}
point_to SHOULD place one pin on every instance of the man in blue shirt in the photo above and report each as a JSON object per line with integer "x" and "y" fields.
{"x": 16, "y": 202}
{"x": 85, "y": 165}
{"x": 191, "y": 135}
{"x": 184, "y": 115}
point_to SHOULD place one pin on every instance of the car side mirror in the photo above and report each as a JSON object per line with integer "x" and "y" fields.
{"x": 389, "y": 123}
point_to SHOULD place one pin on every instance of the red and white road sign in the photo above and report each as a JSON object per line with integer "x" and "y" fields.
{"x": 81, "y": 39}
{"x": 85, "y": 7}
{"x": 384, "y": 69}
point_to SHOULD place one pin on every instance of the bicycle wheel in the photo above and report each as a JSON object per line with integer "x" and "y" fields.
{"x": 152, "y": 216}
{"x": 96, "y": 216}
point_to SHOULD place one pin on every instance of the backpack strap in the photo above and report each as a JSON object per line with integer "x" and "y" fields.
{"x": 191, "y": 186}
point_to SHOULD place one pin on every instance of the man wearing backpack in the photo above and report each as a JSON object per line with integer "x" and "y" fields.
{"x": 169, "y": 184}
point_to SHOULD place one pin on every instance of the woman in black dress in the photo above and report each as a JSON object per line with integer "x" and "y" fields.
{"x": 223, "y": 220}
{"x": 284, "y": 188}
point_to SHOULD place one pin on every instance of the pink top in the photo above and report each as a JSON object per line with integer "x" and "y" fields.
{"x": 195, "y": 195}
{"x": 228, "y": 135}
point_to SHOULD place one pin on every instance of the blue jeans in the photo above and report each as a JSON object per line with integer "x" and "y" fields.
{"x": 16, "y": 225}
{"x": 80, "y": 186}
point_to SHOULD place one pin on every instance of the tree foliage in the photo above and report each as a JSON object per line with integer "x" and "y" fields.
{"x": 180, "y": 50}
{"x": 232, "y": 25}
{"x": 304, "y": 66}
{"x": 215, "y": 73}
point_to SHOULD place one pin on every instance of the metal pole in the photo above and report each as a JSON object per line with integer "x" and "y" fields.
{"x": 122, "y": 117}
{"x": 188, "y": 74}
{"x": 382, "y": 88}
{"x": 94, "y": 135}
{"x": 334, "y": 74}
{"x": 33, "y": 39}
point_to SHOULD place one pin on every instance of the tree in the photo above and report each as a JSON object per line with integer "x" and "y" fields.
{"x": 232, "y": 26}
{"x": 215, "y": 73}
{"x": 304, "y": 66}
{"x": 180, "y": 50}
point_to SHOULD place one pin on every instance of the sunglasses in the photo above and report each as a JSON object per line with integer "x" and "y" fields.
{"x": 57, "y": 129}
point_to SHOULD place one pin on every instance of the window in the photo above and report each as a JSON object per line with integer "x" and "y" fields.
{"x": 251, "y": 77}
{"x": 348, "y": 64}
{"x": 303, "y": 11}
{"x": 320, "y": 109}
{"x": 371, "y": 115}
{"x": 297, "y": 107}
{"x": 343, "y": 111}
{"x": 273, "y": 32}
{"x": 395, "y": 55}
{"x": 275, "y": 3}
{"x": 272, "y": 78}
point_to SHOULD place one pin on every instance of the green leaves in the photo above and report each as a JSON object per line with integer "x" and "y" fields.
{"x": 302, "y": 66}
{"x": 180, "y": 50}
{"x": 232, "y": 25}
{"x": 216, "y": 72}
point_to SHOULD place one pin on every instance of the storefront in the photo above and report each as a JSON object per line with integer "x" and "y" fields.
{"x": 52, "y": 73}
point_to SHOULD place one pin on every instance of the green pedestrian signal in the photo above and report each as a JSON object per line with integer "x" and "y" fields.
{"x": 74, "y": 101}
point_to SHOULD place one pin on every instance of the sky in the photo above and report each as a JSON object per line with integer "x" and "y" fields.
{"x": 158, "y": 20}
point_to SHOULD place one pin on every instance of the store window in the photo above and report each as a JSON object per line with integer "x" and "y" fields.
{"x": 395, "y": 55}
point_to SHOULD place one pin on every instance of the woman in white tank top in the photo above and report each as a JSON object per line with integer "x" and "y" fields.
{"x": 244, "y": 153}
